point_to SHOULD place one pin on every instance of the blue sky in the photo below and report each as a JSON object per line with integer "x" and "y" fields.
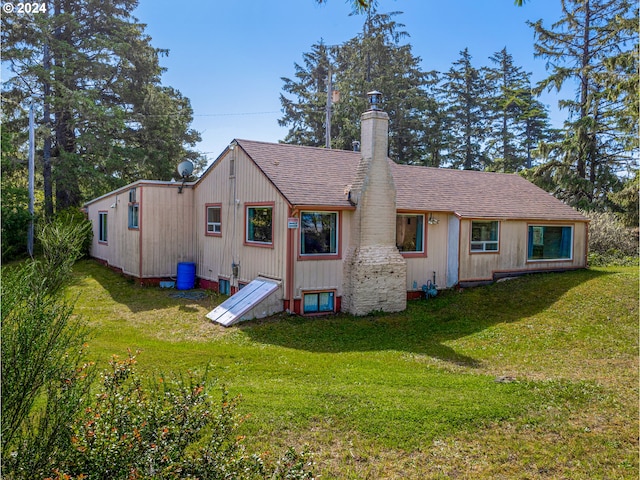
{"x": 228, "y": 56}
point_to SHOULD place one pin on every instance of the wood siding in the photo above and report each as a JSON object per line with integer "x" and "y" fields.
{"x": 322, "y": 274}
{"x": 421, "y": 269}
{"x": 214, "y": 255}
{"x": 164, "y": 235}
{"x": 122, "y": 249}
{"x": 512, "y": 254}
{"x": 166, "y": 228}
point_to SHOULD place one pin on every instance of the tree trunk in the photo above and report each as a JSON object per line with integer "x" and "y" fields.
{"x": 46, "y": 153}
{"x": 583, "y": 140}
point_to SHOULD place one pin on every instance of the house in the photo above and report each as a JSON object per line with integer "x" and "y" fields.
{"x": 335, "y": 230}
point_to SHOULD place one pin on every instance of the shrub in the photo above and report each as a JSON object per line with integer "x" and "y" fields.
{"x": 15, "y": 218}
{"x": 610, "y": 241}
{"x": 52, "y": 429}
{"x": 165, "y": 429}
{"x": 75, "y": 218}
{"x": 42, "y": 371}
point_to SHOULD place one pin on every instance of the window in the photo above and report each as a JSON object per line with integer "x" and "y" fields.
{"x": 259, "y": 225}
{"x": 549, "y": 242}
{"x": 224, "y": 286}
{"x": 319, "y": 233}
{"x": 410, "y": 233}
{"x": 213, "y": 220}
{"x": 102, "y": 227}
{"x": 318, "y": 302}
{"x": 134, "y": 209}
{"x": 133, "y": 215}
{"x": 484, "y": 236}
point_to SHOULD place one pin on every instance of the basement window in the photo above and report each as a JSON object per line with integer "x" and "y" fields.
{"x": 319, "y": 233}
{"x": 485, "y": 236}
{"x": 224, "y": 286}
{"x": 549, "y": 242}
{"x": 318, "y": 302}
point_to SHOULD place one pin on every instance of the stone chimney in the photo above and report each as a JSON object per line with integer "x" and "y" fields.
{"x": 375, "y": 274}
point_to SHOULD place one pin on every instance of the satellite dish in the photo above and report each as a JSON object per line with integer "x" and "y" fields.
{"x": 185, "y": 169}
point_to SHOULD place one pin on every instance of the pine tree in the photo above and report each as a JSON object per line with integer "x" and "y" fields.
{"x": 517, "y": 121}
{"x": 373, "y": 60}
{"x": 306, "y": 114}
{"x": 579, "y": 48}
{"x": 96, "y": 76}
{"x": 463, "y": 90}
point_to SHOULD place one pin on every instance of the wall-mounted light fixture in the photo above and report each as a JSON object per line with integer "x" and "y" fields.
{"x": 432, "y": 221}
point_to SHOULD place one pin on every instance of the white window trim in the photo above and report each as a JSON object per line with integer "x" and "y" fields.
{"x": 214, "y": 224}
{"x": 484, "y": 243}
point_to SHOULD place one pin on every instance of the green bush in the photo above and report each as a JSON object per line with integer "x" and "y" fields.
{"x": 43, "y": 377}
{"x": 76, "y": 219}
{"x": 15, "y": 218}
{"x": 610, "y": 241}
{"x": 168, "y": 429}
{"x": 53, "y": 428}
{"x": 612, "y": 258}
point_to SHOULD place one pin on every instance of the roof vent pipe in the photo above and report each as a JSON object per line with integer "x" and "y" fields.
{"x": 355, "y": 145}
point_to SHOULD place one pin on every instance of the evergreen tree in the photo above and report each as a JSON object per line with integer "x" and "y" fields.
{"x": 463, "y": 90}
{"x": 306, "y": 114}
{"x": 373, "y": 60}
{"x": 536, "y": 127}
{"x": 517, "y": 121}
{"x": 96, "y": 76}
{"x": 579, "y": 49}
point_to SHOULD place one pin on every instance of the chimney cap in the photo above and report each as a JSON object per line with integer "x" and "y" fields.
{"x": 375, "y": 98}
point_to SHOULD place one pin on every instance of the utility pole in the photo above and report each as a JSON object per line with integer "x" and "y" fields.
{"x": 327, "y": 143}
{"x": 32, "y": 149}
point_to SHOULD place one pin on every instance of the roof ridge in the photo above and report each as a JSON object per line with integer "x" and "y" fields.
{"x": 293, "y": 145}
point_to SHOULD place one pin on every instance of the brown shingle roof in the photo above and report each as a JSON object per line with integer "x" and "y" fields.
{"x": 305, "y": 175}
{"x": 318, "y": 176}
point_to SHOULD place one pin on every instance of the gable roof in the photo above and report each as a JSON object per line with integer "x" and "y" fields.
{"x": 312, "y": 176}
{"x": 305, "y": 175}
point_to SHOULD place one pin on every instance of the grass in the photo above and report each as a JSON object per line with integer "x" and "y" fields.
{"x": 535, "y": 377}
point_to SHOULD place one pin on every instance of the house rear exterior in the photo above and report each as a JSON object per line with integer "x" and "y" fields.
{"x": 338, "y": 230}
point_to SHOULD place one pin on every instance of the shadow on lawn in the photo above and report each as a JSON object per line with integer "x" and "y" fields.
{"x": 426, "y": 325}
{"x": 139, "y": 298}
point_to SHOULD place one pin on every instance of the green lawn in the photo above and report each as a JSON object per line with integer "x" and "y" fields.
{"x": 535, "y": 377}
